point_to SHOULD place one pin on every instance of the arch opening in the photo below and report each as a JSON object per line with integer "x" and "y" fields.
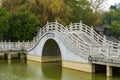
{"x": 51, "y": 51}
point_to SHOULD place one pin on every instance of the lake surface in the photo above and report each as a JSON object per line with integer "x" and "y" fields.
{"x": 29, "y": 70}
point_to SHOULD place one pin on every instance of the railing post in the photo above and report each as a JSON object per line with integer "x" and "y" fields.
{"x": 23, "y": 45}
{"x": 91, "y": 31}
{"x": 9, "y": 44}
{"x": 1, "y": 43}
{"x": 27, "y": 44}
{"x": 119, "y": 48}
{"x": 5, "y": 45}
{"x": 107, "y": 47}
{"x": 104, "y": 40}
{"x": 56, "y": 26}
{"x": 80, "y": 26}
{"x": 33, "y": 40}
{"x": 66, "y": 32}
{"x": 70, "y": 26}
{"x": 39, "y": 32}
{"x": 47, "y": 26}
{"x": 110, "y": 50}
{"x": 18, "y": 44}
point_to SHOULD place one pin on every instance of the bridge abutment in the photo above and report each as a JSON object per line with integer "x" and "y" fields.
{"x": 34, "y": 58}
{"x": 43, "y": 58}
{"x": 85, "y": 67}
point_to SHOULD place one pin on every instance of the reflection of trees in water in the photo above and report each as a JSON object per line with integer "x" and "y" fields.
{"x": 52, "y": 71}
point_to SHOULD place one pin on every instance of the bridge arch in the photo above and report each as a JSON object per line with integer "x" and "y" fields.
{"x": 51, "y": 51}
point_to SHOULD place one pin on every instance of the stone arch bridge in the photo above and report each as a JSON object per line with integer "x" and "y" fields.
{"x": 77, "y": 45}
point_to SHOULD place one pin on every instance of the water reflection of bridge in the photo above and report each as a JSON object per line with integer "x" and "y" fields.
{"x": 78, "y": 46}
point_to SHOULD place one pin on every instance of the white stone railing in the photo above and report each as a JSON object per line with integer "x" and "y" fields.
{"x": 13, "y": 46}
{"x": 106, "y": 53}
{"x": 104, "y": 48}
{"x": 91, "y": 33}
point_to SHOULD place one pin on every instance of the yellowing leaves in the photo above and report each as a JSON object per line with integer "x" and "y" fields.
{"x": 56, "y": 6}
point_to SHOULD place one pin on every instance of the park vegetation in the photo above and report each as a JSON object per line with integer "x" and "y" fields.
{"x": 20, "y": 19}
{"x": 112, "y": 19}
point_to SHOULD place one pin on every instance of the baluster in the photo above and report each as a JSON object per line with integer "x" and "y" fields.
{"x": 34, "y": 40}
{"x": 119, "y": 49}
{"x": 27, "y": 44}
{"x": 75, "y": 27}
{"x": 39, "y": 34}
{"x": 23, "y": 44}
{"x": 110, "y": 50}
{"x": 5, "y": 45}
{"x": 1, "y": 44}
{"x": 104, "y": 40}
{"x": 48, "y": 26}
{"x": 71, "y": 26}
{"x": 92, "y": 31}
{"x": 67, "y": 34}
{"x": 9, "y": 44}
{"x": 66, "y": 30}
{"x": 56, "y": 25}
{"x": 80, "y": 26}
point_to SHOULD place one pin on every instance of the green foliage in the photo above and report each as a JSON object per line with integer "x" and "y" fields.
{"x": 3, "y": 23}
{"x": 20, "y": 18}
{"x": 19, "y": 24}
{"x": 112, "y": 18}
{"x": 12, "y": 4}
{"x": 81, "y": 10}
{"x": 23, "y": 25}
{"x": 50, "y": 10}
{"x": 115, "y": 28}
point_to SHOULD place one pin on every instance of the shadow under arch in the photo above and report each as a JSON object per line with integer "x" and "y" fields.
{"x": 52, "y": 71}
{"x": 51, "y": 51}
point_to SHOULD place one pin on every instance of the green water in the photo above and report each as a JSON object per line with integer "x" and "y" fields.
{"x": 29, "y": 70}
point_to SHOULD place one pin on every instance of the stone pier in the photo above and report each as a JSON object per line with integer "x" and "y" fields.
{"x": 108, "y": 70}
{"x": 11, "y": 55}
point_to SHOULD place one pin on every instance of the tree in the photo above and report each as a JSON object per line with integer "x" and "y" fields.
{"x": 115, "y": 28}
{"x": 81, "y": 10}
{"x": 22, "y": 15}
{"x": 112, "y": 19}
{"x": 12, "y": 4}
{"x": 50, "y": 10}
{"x": 97, "y": 5}
{"x": 3, "y": 23}
{"x": 23, "y": 25}
{"x": 62, "y": 10}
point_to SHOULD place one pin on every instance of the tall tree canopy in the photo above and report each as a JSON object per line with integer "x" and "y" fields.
{"x": 23, "y": 25}
{"x": 3, "y": 23}
{"x": 50, "y": 10}
{"x": 23, "y": 15}
{"x": 112, "y": 19}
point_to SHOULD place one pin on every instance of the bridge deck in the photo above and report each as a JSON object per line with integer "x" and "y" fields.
{"x": 103, "y": 61}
